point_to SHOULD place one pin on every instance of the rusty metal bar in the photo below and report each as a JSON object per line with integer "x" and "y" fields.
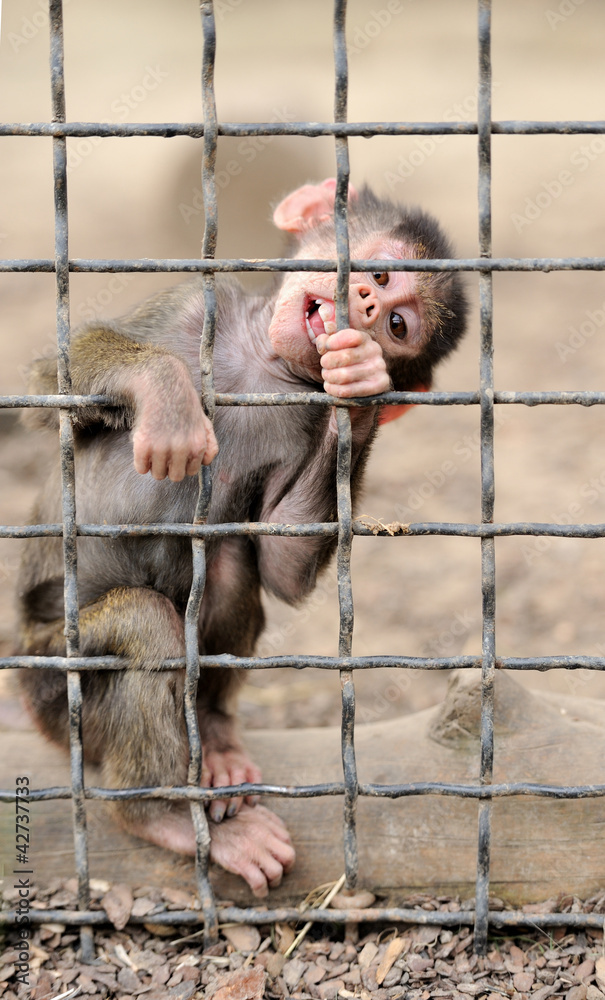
{"x": 343, "y": 465}
{"x": 498, "y": 919}
{"x": 192, "y": 613}
{"x": 488, "y": 563}
{"x": 68, "y": 484}
{"x": 254, "y": 528}
{"x": 300, "y": 661}
{"x": 189, "y": 793}
{"x": 168, "y": 265}
{"x": 343, "y": 129}
{"x": 565, "y": 397}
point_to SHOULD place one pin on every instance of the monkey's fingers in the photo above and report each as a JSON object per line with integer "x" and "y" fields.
{"x": 366, "y": 379}
{"x": 228, "y": 768}
{"x": 190, "y": 452}
{"x": 255, "y": 845}
{"x": 211, "y": 446}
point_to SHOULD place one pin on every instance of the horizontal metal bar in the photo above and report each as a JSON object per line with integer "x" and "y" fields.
{"x": 312, "y": 530}
{"x": 260, "y": 916}
{"x": 190, "y": 793}
{"x": 565, "y": 397}
{"x": 170, "y": 265}
{"x": 366, "y": 130}
{"x": 300, "y": 662}
{"x": 54, "y": 401}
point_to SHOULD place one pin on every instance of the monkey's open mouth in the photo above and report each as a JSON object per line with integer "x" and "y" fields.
{"x": 319, "y": 317}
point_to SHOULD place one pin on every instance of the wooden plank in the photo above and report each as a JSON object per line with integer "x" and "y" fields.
{"x": 421, "y": 843}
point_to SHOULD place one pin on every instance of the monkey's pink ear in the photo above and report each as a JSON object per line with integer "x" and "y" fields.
{"x": 308, "y": 206}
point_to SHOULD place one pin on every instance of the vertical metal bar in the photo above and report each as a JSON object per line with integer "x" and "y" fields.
{"x": 192, "y": 613}
{"x": 488, "y": 565}
{"x": 68, "y": 485}
{"x": 343, "y": 468}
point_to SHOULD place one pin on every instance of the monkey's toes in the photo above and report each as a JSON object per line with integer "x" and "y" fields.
{"x": 254, "y": 844}
{"x": 230, "y": 767}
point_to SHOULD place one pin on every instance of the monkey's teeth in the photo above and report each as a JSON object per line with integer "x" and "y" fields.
{"x": 312, "y": 336}
{"x": 326, "y": 311}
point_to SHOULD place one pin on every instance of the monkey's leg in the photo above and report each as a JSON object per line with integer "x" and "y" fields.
{"x": 225, "y": 761}
{"x": 132, "y": 720}
{"x": 133, "y": 725}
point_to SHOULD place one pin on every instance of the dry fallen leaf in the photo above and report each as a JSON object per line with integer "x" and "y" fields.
{"x": 284, "y": 936}
{"x": 243, "y": 984}
{"x": 243, "y": 937}
{"x": 178, "y": 897}
{"x": 142, "y": 906}
{"x": 117, "y": 904}
{"x": 367, "y": 955}
{"x": 389, "y": 958}
{"x": 99, "y": 885}
{"x": 592, "y": 993}
{"x": 160, "y": 930}
{"x": 275, "y": 964}
{"x": 600, "y": 970}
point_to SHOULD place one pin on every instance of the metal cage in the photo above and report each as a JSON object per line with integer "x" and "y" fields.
{"x": 487, "y": 531}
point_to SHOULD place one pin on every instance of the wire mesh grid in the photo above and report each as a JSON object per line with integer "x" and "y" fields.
{"x": 487, "y": 531}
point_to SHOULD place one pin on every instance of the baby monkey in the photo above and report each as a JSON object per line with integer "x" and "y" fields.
{"x": 271, "y": 463}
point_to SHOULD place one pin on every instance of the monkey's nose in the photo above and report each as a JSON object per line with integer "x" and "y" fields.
{"x": 364, "y": 307}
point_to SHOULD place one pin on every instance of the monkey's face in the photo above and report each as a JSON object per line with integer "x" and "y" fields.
{"x": 388, "y": 305}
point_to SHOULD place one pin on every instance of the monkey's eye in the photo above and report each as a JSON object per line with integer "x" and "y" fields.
{"x": 381, "y": 278}
{"x": 398, "y": 326}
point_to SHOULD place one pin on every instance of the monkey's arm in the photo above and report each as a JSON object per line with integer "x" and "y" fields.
{"x": 352, "y": 365}
{"x": 289, "y": 566}
{"x": 153, "y": 393}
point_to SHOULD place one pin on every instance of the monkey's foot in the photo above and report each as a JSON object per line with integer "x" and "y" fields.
{"x": 254, "y": 844}
{"x": 228, "y": 767}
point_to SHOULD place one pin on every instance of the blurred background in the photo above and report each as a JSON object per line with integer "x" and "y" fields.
{"x": 141, "y": 197}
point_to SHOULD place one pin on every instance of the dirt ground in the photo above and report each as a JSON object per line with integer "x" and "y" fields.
{"x": 421, "y": 962}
